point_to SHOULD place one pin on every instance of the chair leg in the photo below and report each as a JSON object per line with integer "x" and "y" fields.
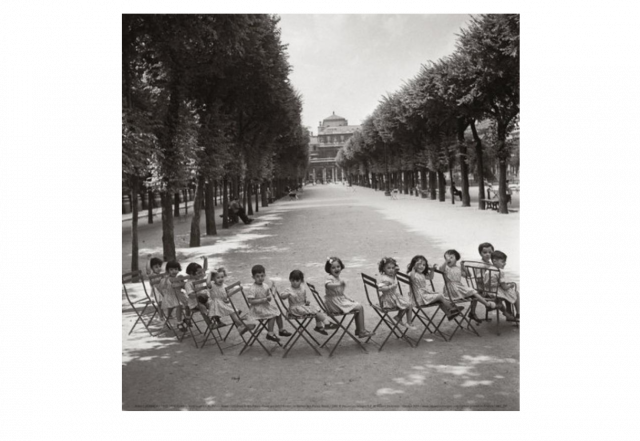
{"x": 298, "y": 332}
{"x": 254, "y": 338}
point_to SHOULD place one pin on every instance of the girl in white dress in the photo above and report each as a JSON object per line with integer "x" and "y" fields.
{"x": 419, "y": 273}
{"x": 220, "y": 304}
{"x": 391, "y": 298}
{"x": 336, "y": 301}
{"x": 455, "y": 288}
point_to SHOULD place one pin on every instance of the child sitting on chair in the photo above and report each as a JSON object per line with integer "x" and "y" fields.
{"x": 219, "y": 303}
{"x": 390, "y": 297}
{"x": 170, "y": 287}
{"x": 154, "y": 268}
{"x": 197, "y": 302}
{"x": 455, "y": 288}
{"x": 419, "y": 273}
{"x": 299, "y": 305}
{"x": 336, "y": 301}
{"x": 260, "y": 300}
{"x": 485, "y": 249}
{"x": 507, "y": 291}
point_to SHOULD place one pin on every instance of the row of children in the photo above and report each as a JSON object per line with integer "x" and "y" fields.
{"x": 260, "y": 295}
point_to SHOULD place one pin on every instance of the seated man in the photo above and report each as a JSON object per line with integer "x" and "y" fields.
{"x": 237, "y": 210}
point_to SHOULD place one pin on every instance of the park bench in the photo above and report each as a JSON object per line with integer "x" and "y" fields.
{"x": 491, "y": 204}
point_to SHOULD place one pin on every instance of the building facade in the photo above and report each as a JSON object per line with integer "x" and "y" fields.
{"x": 333, "y": 133}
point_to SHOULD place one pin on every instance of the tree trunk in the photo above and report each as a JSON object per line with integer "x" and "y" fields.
{"x": 405, "y": 181}
{"x": 176, "y": 204}
{"x": 168, "y": 240}
{"x": 225, "y": 204}
{"x": 257, "y": 188}
{"x": 442, "y": 184}
{"x": 209, "y": 209}
{"x": 150, "y": 207}
{"x": 194, "y": 239}
{"x": 248, "y": 193}
{"x": 433, "y": 184}
{"x": 134, "y": 224}
{"x": 215, "y": 192}
{"x": 479, "y": 165}
{"x": 186, "y": 201}
{"x": 503, "y": 156}
{"x": 463, "y": 158}
{"x": 453, "y": 196}
{"x": 263, "y": 194}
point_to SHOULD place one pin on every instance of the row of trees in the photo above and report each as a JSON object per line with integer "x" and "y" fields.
{"x": 421, "y": 128}
{"x": 206, "y": 102}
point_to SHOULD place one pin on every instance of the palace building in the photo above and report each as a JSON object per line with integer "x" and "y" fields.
{"x": 333, "y": 133}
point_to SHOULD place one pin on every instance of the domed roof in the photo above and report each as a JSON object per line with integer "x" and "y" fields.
{"x": 334, "y": 117}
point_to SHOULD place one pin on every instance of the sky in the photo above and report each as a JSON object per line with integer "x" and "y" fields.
{"x": 346, "y": 63}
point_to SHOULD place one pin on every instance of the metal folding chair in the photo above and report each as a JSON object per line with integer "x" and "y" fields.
{"x": 339, "y": 322}
{"x": 299, "y": 325}
{"x": 141, "y": 305}
{"x": 384, "y": 313}
{"x": 154, "y": 280}
{"x": 428, "y": 322}
{"x": 253, "y": 333}
{"x": 200, "y": 287}
{"x": 479, "y": 276}
{"x": 462, "y": 321}
{"x": 214, "y": 327}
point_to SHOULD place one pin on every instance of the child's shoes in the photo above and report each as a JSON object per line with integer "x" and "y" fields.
{"x": 331, "y": 325}
{"x": 273, "y": 338}
{"x": 320, "y": 330}
{"x": 365, "y": 334}
{"x": 453, "y": 314}
{"x": 284, "y": 333}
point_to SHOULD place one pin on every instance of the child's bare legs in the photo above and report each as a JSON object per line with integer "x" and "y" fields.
{"x": 359, "y": 317}
{"x": 472, "y": 311}
{"x": 270, "y": 323}
{"x": 320, "y": 320}
{"x": 281, "y": 330}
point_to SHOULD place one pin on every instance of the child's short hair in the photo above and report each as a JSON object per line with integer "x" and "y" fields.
{"x": 296, "y": 275}
{"x": 330, "y": 261}
{"x": 415, "y": 260}
{"x": 258, "y": 269}
{"x": 384, "y": 262}
{"x": 454, "y": 253}
{"x": 485, "y": 245}
{"x": 171, "y": 265}
{"x": 498, "y": 255}
{"x": 193, "y": 268}
{"x": 155, "y": 261}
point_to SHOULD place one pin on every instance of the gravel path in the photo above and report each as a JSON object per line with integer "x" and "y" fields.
{"x": 470, "y": 372}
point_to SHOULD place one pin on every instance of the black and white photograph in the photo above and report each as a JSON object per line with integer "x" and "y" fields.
{"x": 321, "y": 212}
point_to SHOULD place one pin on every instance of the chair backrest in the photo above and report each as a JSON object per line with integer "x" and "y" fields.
{"x": 280, "y": 303}
{"x": 371, "y": 282}
{"x": 154, "y": 280}
{"x": 133, "y": 277}
{"x": 200, "y": 285}
{"x": 316, "y": 296}
{"x": 233, "y": 289}
{"x": 446, "y": 290}
{"x": 479, "y": 276}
